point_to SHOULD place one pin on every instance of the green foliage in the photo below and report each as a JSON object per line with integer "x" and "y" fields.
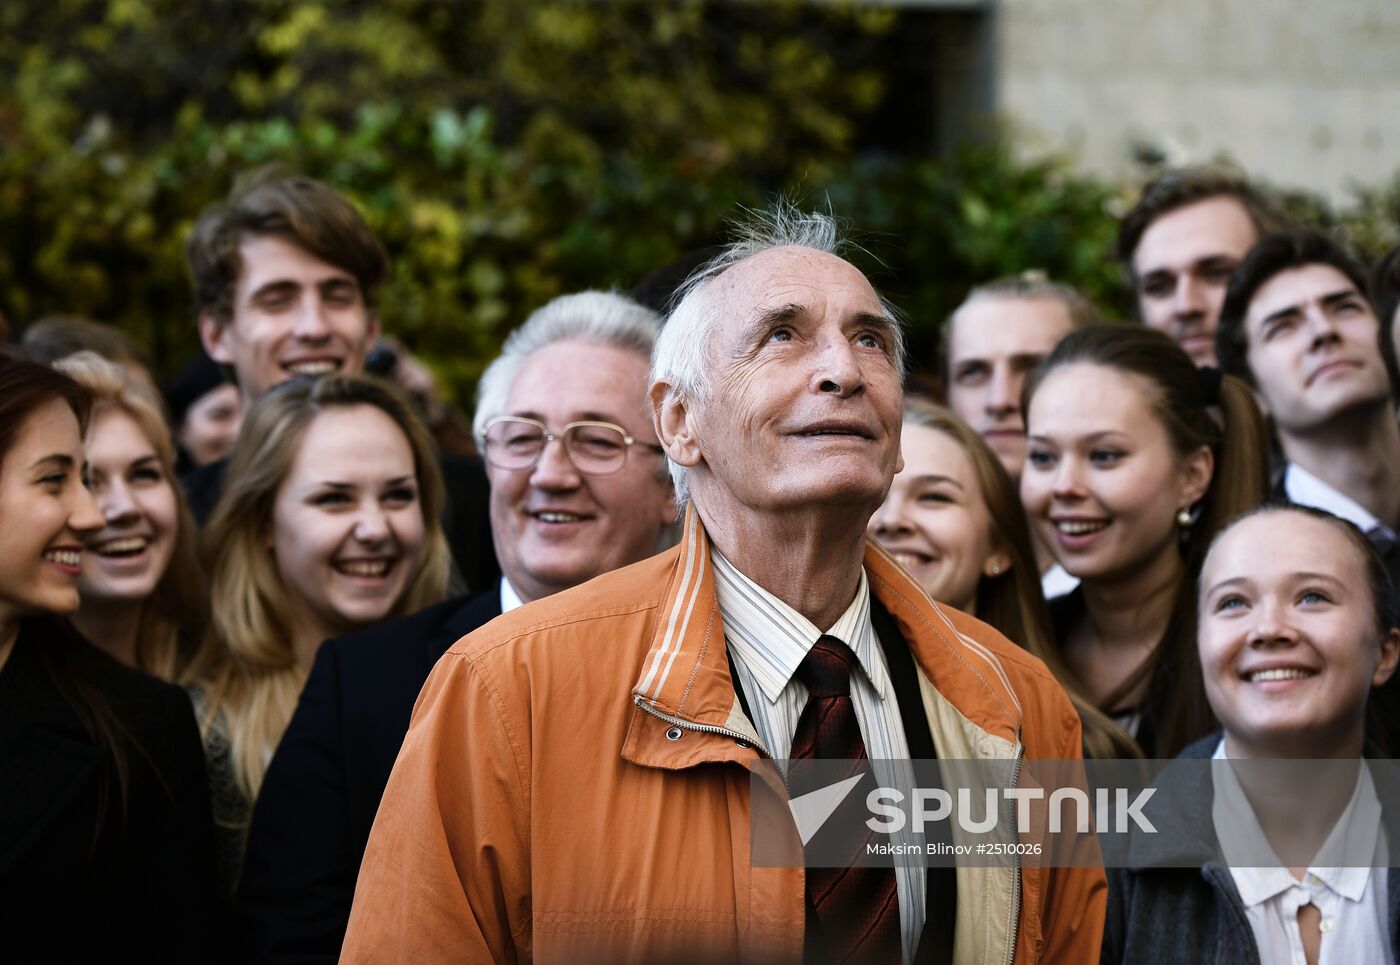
{"x": 505, "y": 151}
{"x": 1370, "y": 225}
{"x": 932, "y": 230}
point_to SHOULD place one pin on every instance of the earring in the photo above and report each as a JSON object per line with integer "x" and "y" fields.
{"x": 1184, "y": 517}
{"x": 996, "y": 569}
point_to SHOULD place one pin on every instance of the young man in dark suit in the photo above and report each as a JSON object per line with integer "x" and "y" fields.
{"x": 575, "y": 373}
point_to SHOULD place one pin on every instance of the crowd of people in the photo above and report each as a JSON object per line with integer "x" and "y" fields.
{"x": 294, "y": 666}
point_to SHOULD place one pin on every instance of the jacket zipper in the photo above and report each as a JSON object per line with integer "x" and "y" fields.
{"x": 1014, "y": 924}
{"x": 684, "y": 724}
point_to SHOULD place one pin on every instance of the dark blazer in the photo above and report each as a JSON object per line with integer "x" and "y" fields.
{"x": 87, "y": 877}
{"x": 1162, "y": 913}
{"x": 317, "y": 804}
{"x": 466, "y": 519}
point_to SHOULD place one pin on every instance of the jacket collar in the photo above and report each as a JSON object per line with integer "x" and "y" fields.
{"x": 685, "y": 679}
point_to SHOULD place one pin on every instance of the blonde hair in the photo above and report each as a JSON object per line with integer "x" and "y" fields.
{"x": 174, "y": 616}
{"x": 1012, "y": 601}
{"x": 247, "y": 664}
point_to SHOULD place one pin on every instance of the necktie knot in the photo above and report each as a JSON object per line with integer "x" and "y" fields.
{"x": 826, "y": 670}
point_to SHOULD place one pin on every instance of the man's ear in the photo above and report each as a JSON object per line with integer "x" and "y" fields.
{"x": 671, "y": 417}
{"x": 214, "y": 334}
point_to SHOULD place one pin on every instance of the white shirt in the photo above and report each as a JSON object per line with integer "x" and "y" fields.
{"x": 509, "y": 598}
{"x": 769, "y": 640}
{"x": 1305, "y": 489}
{"x": 1347, "y": 884}
{"x": 1056, "y": 581}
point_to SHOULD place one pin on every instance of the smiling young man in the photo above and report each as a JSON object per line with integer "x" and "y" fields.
{"x": 574, "y": 786}
{"x": 286, "y": 277}
{"x": 1178, "y": 246}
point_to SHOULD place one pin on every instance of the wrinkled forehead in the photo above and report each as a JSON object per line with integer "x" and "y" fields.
{"x": 817, "y": 282}
{"x": 1294, "y": 288}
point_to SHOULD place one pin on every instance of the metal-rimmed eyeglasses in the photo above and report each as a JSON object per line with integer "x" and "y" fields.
{"x": 514, "y": 443}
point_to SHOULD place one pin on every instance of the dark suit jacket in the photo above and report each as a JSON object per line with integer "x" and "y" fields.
{"x": 318, "y": 801}
{"x": 86, "y": 876}
{"x": 466, "y": 520}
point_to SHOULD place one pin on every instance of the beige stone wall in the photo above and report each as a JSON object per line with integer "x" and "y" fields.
{"x": 1304, "y": 92}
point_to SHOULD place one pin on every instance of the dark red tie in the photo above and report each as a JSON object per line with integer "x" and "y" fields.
{"x": 853, "y": 913}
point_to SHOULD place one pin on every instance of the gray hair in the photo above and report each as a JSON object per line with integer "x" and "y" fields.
{"x": 682, "y": 353}
{"x": 591, "y": 316}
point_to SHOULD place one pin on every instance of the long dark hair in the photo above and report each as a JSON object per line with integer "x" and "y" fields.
{"x": 1187, "y": 401}
{"x": 1012, "y": 601}
{"x": 25, "y": 387}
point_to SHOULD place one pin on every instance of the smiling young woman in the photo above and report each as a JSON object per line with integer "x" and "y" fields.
{"x": 328, "y": 523}
{"x": 104, "y": 817}
{"x": 1128, "y": 476}
{"x": 1296, "y": 631}
{"x": 953, "y": 519}
{"x": 143, "y": 595}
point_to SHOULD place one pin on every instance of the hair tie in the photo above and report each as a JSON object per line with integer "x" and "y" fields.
{"x": 1211, "y": 379}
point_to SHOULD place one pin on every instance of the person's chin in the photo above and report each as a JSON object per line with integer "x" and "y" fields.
{"x": 840, "y": 484}
{"x": 127, "y": 590}
{"x": 57, "y": 599}
{"x": 366, "y": 610}
{"x": 1201, "y": 348}
{"x": 564, "y": 571}
{"x": 1010, "y": 450}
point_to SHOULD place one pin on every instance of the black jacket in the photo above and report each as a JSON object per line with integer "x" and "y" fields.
{"x": 317, "y": 804}
{"x": 88, "y": 879}
{"x": 1174, "y": 914}
{"x": 466, "y": 520}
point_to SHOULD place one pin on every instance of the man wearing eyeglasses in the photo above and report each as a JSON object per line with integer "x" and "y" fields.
{"x": 579, "y": 487}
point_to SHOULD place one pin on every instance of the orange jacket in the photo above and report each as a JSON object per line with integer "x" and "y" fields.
{"x": 540, "y": 811}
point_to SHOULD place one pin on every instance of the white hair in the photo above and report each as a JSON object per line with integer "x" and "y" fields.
{"x": 591, "y": 316}
{"x": 682, "y": 354}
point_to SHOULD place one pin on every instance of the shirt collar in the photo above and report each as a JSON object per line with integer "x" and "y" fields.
{"x": 1343, "y": 863}
{"x": 772, "y": 639}
{"x": 1305, "y": 489}
{"x": 509, "y": 598}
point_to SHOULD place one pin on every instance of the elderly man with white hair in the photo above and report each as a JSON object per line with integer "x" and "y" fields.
{"x": 574, "y": 786}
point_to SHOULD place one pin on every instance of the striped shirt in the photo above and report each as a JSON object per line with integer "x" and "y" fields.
{"x": 768, "y": 640}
